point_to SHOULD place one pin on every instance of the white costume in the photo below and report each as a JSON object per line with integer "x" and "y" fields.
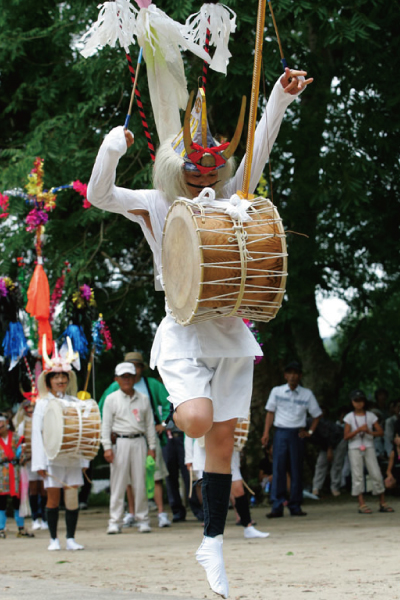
{"x": 189, "y": 358}
{"x": 66, "y": 469}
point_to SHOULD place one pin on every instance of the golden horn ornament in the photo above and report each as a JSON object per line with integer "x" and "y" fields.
{"x": 46, "y": 358}
{"x": 71, "y": 356}
{"x": 231, "y": 149}
{"x": 187, "y": 138}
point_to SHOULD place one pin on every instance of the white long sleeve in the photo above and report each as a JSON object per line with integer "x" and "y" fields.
{"x": 265, "y": 135}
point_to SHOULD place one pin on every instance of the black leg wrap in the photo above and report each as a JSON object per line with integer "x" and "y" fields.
{"x": 243, "y": 510}
{"x": 216, "y": 489}
{"x": 43, "y": 500}
{"x": 52, "y": 520}
{"x": 71, "y": 520}
{"x": 34, "y": 502}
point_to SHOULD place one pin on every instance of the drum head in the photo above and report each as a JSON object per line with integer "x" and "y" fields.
{"x": 53, "y": 426}
{"x": 181, "y": 261}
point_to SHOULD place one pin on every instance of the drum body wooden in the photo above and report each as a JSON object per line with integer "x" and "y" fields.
{"x": 28, "y": 437}
{"x": 241, "y": 433}
{"x": 214, "y": 266}
{"x": 71, "y": 429}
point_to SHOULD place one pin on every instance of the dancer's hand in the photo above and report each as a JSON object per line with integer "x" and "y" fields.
{"x": 109, "y": 456}
{"x": 129, "y": 137}
{"x": 294, "y": 81}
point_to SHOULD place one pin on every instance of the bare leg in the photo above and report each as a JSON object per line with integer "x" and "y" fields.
{"x": 195, "y": 417}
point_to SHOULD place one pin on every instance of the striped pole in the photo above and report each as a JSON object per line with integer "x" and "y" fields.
{"x": 128, "y": 116}
{"x": 205, "y": 63}
{"x": 283, "y": 59}
{"x": 141, "y": 109}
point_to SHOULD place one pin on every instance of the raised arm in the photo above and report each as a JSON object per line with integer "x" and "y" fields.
{"x": 285, "y": 90}
{"x": 102, "y": 191}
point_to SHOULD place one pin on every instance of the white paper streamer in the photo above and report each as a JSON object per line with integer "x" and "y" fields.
{"x": 116, "y": 22}
{"x": 162, "y": 40}
{"x": 221, "y": 22}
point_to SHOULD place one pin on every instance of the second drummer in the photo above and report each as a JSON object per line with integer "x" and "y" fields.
{"x": 57, "y": 382}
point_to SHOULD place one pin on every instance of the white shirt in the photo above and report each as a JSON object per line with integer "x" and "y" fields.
{"x": 40, "y": 460}
{"x": 356, "y": 421}
{"x": 127, "y": 415}
{"x": 224, "y": 337}
{"x": 291, "y": 407}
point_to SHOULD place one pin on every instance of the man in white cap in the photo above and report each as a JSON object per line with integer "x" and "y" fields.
{"x": 128, "y": 436}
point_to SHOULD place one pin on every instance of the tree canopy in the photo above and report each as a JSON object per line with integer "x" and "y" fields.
{"x": 334, "y": 175}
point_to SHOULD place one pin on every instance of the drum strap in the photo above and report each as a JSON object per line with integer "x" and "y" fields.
{"x": 241, "y": 237}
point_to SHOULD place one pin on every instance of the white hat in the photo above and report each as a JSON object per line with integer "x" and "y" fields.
{"x": 125, "y": 367}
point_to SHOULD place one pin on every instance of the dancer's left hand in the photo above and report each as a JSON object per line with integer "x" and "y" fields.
{"x": 294, "y": 81}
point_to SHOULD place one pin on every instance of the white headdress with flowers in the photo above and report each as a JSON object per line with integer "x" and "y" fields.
{"x": 60, "y": 362}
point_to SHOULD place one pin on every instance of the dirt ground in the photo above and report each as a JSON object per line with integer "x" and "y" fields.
{"x": 332, "y": 553}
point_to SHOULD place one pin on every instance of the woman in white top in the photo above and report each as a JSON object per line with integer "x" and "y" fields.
{"x": 57, "y": 383}
{"x": 361, "y": 427}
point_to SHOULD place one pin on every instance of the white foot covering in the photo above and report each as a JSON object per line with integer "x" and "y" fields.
{"x": 54, "y": 544}
{"x": 72, "y": 545}
{"x": 36, "y": 524}
{"x": 251, "y": 532}
{"x": 209, "y": 555}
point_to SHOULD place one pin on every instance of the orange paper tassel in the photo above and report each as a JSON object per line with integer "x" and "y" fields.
{"x": 39, "y": 305}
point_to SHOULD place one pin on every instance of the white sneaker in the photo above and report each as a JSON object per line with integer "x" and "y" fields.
{"x": 144, "y": 527}
{"x": 251, "y": 532}
{"x": 209, "y": 555}
{"x": 163, "y": 520}
{"x": 44, "y": 525}
{"x": 36, "y": 524}
{"x": 128, "y": 520}
{"x": 54, "y": 545}
{"x": 113, "y": 528}
{"x": 72, "y": 545}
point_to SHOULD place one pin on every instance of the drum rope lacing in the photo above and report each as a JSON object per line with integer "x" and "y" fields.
{"x": 241, "y": 237}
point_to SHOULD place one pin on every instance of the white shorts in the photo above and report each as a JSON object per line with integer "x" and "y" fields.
{"x": 63, "y": 476}
{"x": 32, "y": 475}
{"x": 228, "y": 382}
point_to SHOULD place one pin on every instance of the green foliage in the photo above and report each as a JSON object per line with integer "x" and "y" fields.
{"x": 335, "y": 171}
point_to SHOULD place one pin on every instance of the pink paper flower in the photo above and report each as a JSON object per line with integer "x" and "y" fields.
{"x": 3, "y": 288}
{"x": 143, "y": 3}
{"x": 81, "y": 188}
{"x": 86, "y": 291}
{"x": 4, "y": 201}
{"x": 35, "y": 219}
